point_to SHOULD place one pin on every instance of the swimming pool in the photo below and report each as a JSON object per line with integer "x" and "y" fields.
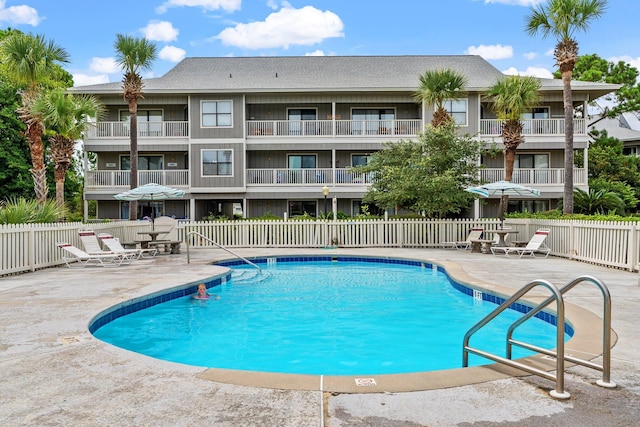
{"x": 328, "y": 315}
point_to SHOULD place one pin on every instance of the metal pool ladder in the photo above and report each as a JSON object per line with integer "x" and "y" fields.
{"x": 220, "y": 246}
{"x": 559, "y": 354}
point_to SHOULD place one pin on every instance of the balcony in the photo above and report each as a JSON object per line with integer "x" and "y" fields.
{"x": 324, "y": 128}
{"x": 534, "y": 127}
{"x": 537, "y": 178}
{"x": 113, "y": 179}
{"x": 120, "y": 130}
{"x": 306, "y": 177}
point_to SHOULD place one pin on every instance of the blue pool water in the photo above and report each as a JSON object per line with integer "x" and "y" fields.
{"x": 331, "y": 318}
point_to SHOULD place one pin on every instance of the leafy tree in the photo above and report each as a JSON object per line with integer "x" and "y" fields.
{"x": 15, "y": 178}
{"x": 592, "y": 68}
{"x": 562, "y": 19}
{"x": 428, "y": 175}
{"x": 66, "y": 117}
{"x": 133, "y": 55}
{"x": 611, "y": 170}
{"x": 29, "y": 60}
{"x": 435, "y": 87}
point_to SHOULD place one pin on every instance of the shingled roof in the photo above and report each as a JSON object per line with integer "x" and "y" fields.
{"x": 314, "y": 73}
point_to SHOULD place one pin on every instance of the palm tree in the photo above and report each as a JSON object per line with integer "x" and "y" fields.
{"x": 29, "y": 60}
{"x": 436, "y": 86}
{"x": 562, "y": 19}
{"x": 66, "y": 117}
{"x": 510, "y": 97}
{"x": 133, "y": 55}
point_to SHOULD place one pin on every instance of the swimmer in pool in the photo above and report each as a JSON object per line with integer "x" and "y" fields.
{"x": 202, "y": 293}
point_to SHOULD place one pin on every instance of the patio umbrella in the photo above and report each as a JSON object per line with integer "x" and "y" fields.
{"x": 503, "y": 188}
{"x": 150, "y": 192}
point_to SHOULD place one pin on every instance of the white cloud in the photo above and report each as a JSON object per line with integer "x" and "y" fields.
{"x": 491, "y": 52}
{"x": 272, "y": 4}
{"x": 84, "y": 79}
{"x": 172, "y": 53}
{"x": 288, "y": 26}
{"x": 530, "y": 55}
{"x": 530, "y": 71}
{"x": 317, "y": 52}
{"x": 161, "y": 31}
{"x": 549, "y": 52}
{"x": 19, "y": 15}
{"x": 226, "y": 5}
{"x": 104, "y": 65}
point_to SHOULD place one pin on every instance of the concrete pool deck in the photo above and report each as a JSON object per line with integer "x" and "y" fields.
{"x": 55, "y": 373}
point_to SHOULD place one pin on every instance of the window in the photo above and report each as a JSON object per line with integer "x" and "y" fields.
{"x": 528, "y": 206}
{"x": 359, "y": 160}
{"x": 301, "y": 161}
{"x": 376, "y": 121}
{"x": 296, "y": 116}
{"x": 301, "y": 207}
{"x": 145, "y": 163}
{"x": 540, "y": 165}
{"x": 217, "y": 162}
{"x": 216, "y": 113}
{"x": 457, "y": 109}
{"x": 536, "y": 113}
{"x": 149, "y": 122}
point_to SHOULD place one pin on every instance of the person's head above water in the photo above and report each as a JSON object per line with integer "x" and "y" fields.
{"x": 202, "y": 292}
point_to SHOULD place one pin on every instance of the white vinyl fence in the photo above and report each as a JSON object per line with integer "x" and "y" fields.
{"x": 27, "y": 247}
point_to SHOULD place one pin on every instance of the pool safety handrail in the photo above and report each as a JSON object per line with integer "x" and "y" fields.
{"x": 559, "y": 354}
{"x": 219, "y": 246}
{"x": 605, "y": 368}
{"x": 559, "y": 392}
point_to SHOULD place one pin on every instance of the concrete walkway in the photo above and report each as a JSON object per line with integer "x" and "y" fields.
{"x": 54, "y": 373}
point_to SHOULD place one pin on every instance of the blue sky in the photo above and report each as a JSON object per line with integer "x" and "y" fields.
{"x": 493, "y": 29}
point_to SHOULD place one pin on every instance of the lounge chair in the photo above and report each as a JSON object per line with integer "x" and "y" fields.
{"x": 83, "y": 258}
{"x": 114, "y": 246}
{"x": 474, "y": 234}
{"x": 536, "y": 245}
{"x": 90, "y": 242}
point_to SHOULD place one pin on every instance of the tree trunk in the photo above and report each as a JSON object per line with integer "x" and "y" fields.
{"x": 568, "y": 141}
{"x": 133, "y": 155}
{"x": 33, "y": 133}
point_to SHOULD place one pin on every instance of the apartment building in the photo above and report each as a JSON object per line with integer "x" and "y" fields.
{"x": 280, "y": 135}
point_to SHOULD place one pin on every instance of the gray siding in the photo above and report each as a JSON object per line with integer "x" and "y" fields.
{"x": 234, "y": 181}
{"x": 235, "y": 131}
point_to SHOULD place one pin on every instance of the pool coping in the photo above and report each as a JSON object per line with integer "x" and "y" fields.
{"x": 585, "y": 343}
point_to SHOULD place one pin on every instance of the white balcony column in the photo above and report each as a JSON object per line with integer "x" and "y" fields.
{"x": 333, "y": 119}
{"x": 333, "y": 165}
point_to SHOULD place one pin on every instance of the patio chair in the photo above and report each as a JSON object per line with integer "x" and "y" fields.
{"x": 536, "y": 245}
{"x": 114, "y": 246}
{"x": 92, "y": 245}
{"x": 83, "y": 258}
{"x": 474, "y": 234}
{"x": 90, "y": 242}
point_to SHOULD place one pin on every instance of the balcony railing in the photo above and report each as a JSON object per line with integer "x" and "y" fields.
{"x": 493, "y": 127}
{"x": 304, "y": 177}
{"x": 115, "y": 130}
{"x": 117, "y": 178}
{"x": 297, "y": 128}
{"x": 535, "y": 177}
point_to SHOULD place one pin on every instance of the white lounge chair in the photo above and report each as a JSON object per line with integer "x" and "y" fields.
{"x": 83, "y": 258}
{"x": 536, "y": 245}
{"x": 90, "y": 242}
{"x": 114, "y": 246}
{"x": 474, "y": 234}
